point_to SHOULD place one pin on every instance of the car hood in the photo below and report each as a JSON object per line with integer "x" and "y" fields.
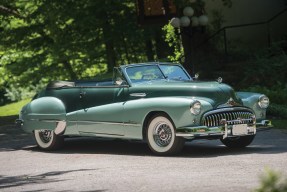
{"x": 215, "y": 93}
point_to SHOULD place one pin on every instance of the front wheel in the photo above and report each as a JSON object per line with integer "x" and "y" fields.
{"x": 161, "y": 136}
{"x": 48, "y": 140}
{"x": 238, "y": 142}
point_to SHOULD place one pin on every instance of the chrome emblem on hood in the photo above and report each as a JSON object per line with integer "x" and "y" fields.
{"x": 231, "y": 102}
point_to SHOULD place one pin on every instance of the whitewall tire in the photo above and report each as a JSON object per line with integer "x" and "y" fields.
{"x": 161, "y": 136}
{"x": 48, "y": 140}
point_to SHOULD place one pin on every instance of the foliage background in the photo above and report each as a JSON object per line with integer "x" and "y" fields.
{"x": 44, "y": 40}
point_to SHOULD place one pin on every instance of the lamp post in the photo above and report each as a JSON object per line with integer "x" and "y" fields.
{"x": 188, "y": 24}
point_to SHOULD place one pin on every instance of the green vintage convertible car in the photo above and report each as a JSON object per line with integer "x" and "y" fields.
{"x": 156, "y": 102}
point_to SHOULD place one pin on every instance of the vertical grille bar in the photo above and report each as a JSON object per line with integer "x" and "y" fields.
{"x": 213, "y": 119}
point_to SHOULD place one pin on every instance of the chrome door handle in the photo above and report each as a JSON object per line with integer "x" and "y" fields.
{"x": 82, "y": 94}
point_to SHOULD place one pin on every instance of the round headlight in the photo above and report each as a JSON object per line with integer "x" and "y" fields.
{"x": 263, "y": 102}
{"x": 195, "y": 108}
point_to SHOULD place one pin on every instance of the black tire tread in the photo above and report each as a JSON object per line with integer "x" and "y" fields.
{"x": 239, "y": 142}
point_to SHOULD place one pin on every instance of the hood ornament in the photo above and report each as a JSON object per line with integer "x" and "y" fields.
{"x": 231, "y": 102}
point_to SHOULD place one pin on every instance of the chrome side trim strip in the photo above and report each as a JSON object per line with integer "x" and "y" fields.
{"x": 92, "y": 122}
{"x": 108, "y": 123}
{"x": 46, "y": 120}
{"x": 61, "y": 125}
{"x": 138, "y": 94}
{"x": 95, "y": 133}
{"x": 135, "y": 125}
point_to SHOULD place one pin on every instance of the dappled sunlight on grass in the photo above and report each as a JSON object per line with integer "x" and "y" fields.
{"x": 13, "y": 108}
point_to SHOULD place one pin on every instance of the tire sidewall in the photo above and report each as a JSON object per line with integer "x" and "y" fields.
{"x": 42, "y": 144}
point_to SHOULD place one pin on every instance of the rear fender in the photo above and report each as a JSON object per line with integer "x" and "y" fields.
{"x": 43, "y": 113}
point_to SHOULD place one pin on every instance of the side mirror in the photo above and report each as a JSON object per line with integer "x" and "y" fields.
{"x": 196, "y": 76}
{"x": 119, "y": 81}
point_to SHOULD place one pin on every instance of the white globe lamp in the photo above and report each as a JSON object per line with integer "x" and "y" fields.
{"x": 194, "y": 21}
{"x": 188, "y": 11}
{"x": 184, "y": 21}
{"x": 175, "y": 22}
{"x": 203, "y": 20}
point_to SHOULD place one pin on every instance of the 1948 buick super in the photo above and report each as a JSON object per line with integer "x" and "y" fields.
{"x": 156, "y": 102}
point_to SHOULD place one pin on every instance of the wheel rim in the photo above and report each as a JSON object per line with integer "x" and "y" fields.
{"x": 162, "y": 135}
{"x": 45, "y": 135}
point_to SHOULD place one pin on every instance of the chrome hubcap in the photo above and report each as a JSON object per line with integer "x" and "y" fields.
{"x": 162, "y": 135}
{"x": 45, "y": 135}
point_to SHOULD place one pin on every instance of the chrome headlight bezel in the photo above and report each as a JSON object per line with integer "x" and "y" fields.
{"x": 195, "y": 108}
{"x": 263, "y": 102}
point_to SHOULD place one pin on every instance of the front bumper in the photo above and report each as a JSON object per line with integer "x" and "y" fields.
{"x": 223, "y": 131}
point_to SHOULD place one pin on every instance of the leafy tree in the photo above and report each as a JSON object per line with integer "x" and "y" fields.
{"x": 43, "y": 40}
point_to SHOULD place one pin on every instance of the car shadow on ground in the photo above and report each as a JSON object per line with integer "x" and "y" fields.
{"x": 193, "y": 149}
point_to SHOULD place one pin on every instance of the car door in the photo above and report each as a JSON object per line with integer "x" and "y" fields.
{"x": 102, "y": 111}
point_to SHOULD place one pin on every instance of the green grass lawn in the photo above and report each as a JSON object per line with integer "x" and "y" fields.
{"x": 12, "y": 108}
{"x": 280, "y": 123}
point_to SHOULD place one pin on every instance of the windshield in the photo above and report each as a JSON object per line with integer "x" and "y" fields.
{"x": 174, "y": 72}
{"x": 138, "y": 74}
{"x": 144, "y": 73}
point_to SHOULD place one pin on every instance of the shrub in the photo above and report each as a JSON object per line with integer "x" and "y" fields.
{"x": 272, "y": 181}
{"x": 15, "y": 93}
{"x": 277, "y": 93}
{"x": 268, "y": 68}
{"x": 277, "y": 110}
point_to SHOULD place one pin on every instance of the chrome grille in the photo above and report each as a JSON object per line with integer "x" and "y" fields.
{"x": 232, "y": 116}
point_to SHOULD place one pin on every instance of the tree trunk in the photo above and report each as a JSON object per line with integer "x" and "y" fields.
{"x": 126, "y": 48}
{"x": 149, "y": 52}
{"x": 109, "y": 44}
{"x": 70, "y": 70}
{"x": 161, "y": 47}
{"x": 187, "y": 47}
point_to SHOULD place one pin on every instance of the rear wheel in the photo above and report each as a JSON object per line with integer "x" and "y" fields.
{"x": 161, "y": 136}
{"x": 48, "y": 140}
{"x": 238, "y": 142}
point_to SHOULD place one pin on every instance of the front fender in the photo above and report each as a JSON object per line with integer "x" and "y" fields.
{"x": 42, "y": 113}
{"x": 178, "y": 108}
{"x": 251, "y": 100}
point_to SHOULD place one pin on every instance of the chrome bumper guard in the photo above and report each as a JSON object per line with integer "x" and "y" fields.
{"x": 264, "y": 125}
{"x": 224, "y": 130}
{"x": 19, "y": 123}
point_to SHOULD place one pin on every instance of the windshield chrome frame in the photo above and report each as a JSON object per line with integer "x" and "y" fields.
{"x": 125, "y": 67}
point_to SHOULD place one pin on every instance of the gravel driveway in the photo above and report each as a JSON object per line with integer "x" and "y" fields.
{"x": 89, "y": 164}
